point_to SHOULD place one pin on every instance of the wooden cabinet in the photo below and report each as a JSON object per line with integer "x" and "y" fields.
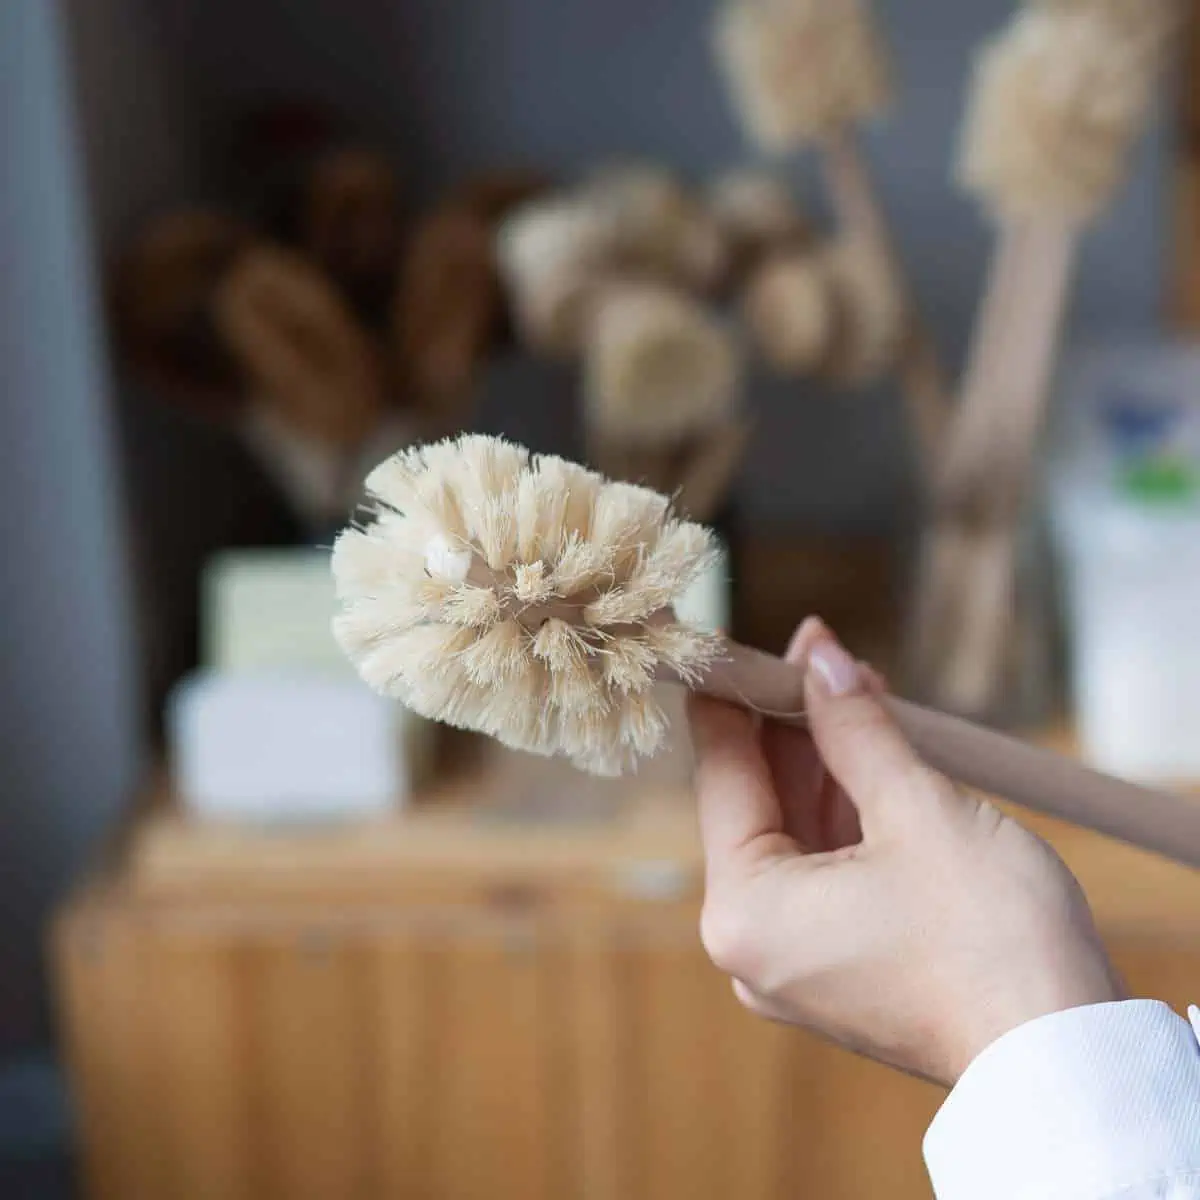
{"x": 449, "y": 1008}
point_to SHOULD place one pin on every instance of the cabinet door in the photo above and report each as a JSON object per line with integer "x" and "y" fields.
{"x": 283, "y": 1058}
{"x": 681, "y": 1092}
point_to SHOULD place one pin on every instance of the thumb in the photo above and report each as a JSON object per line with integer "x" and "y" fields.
{"x": 857, "y": 739}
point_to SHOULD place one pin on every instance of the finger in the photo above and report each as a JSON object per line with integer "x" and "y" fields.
{"x": 798, "y": 775}
{"x": 858, "y": 741}
{"x": 734, "y": 791}
{"x": 759, "y": 1005}
{"x": 876, "y": 682}
{"x": 810, "y": 631}
{"x": 796, "y": 768}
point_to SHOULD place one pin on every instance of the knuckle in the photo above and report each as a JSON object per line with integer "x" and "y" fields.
{"x": 726, "y": 936}
{"x": 860, "y": 721}
{"x": 748, "y": 998}
{"x": 930, "y": 789}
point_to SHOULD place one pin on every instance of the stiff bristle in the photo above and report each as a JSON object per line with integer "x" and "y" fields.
{"x": 522, "y": 596}
{"x": 1058, "y": 100}
{"x": 801, "y": 70}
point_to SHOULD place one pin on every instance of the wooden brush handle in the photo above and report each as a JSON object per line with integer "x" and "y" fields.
{"x": 964, "y": 613}
{"x": 859, "y": 212}
{"x": 985, "y": 760}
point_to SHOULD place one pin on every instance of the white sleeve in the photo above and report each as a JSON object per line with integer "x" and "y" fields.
{"x": 1095, "y": 1103}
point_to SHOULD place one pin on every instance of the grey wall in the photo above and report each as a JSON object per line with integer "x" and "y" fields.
{"x": 136, "y": 117}
{"x": 562, "y": 82}
{"x": 68, "y": 743}
{"x": 450, "y": 87}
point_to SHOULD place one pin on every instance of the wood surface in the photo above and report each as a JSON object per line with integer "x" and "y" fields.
{"x": 445, "y": 1006}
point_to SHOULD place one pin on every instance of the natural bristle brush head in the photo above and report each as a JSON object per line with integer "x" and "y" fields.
{"x": 521, "y": 596}
{"x": 801, "y": 70}
{"x": 1059, "y": 97}
{"x": 658, "y": 366}
{"x": 790, "y": 310}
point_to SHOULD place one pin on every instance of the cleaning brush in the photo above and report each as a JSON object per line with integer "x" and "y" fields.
{"x": 658, "y": 367}
{"x": 1058, "y": 100}
{"x": 446, "y": 313}
{"x": 530, "y": 599}
{"x": 302, "y": 346}
{"x": 550, "y": 253}
{"x": 801, "y": 70}
{"x": 807, "y": 72}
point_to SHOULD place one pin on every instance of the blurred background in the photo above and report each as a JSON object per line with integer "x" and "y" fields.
{"x": 266, "y": 935}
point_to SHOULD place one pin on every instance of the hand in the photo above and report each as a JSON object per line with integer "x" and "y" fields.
{"x": 854, "y": 891}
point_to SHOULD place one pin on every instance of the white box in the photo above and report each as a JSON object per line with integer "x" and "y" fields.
{"x": 284, "y": 747}
{"x": 272, "y": 610}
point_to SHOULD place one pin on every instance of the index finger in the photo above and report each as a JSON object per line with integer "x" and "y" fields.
{"x": 735, "y": 794}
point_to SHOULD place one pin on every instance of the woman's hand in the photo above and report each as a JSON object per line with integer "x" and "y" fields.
{"x": 855, "y": 892}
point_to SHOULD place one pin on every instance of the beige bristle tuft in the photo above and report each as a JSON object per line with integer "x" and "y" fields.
{"x": 628, "y": 664}
{"x": 580, "y": 565}
{"x": 370, "y": 564}
{"x": 554, "y": 649}
{"x": 801, "y": 70}
{"x": 658, "y": 367}
{"x": 1059, "y": 97}
{"x": 531, "y": 584}
{"x": 500, "y": 653}
{"x": 473, "y": 606}
{"x": 789, "y": 308}
{"x": 625, "y": 519}
{"x": 644, "y": 724}
{"x": 675, "y": 648}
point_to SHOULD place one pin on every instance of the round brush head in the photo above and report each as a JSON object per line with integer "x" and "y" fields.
{"x": 521, "y": 596}
{"x": 790, "y": 310}
{"x": 1058, "y": 99}
{"x": 658, "y": 367}
{"x": 550, "y": 253}
{"x": 801, "y": 70}
{"x": 311, "y": 360}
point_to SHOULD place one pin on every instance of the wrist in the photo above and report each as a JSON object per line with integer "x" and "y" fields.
{"x": 1035, "y": 991}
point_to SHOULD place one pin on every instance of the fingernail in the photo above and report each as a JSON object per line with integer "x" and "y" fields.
{"x": 835, "y": 668}
{"x": 804, "y": 635}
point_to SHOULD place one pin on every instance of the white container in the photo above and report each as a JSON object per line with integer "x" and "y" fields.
{"x": 284, "y": 748}
{"x": 707, "y": 603}
{"x": 1126, "y": 518}
{"x": 271, "y": 610}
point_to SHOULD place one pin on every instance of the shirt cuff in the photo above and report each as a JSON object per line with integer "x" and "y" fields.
{"x": 1081, "y": 1103}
